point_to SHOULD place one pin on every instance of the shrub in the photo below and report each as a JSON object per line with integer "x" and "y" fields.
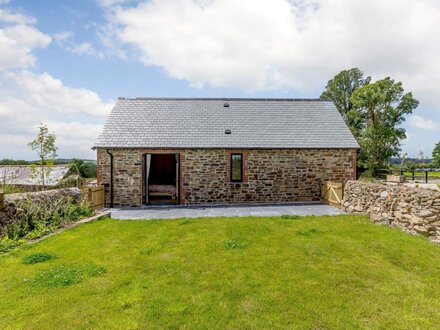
{"x": 7, "y": 244}
{"x": 36, "y": 258}
{"x": 32, "y": 220}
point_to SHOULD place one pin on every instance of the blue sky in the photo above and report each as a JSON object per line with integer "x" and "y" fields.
{"x": 64, "y": 63}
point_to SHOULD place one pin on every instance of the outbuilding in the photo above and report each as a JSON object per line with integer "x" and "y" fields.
{"x": 194, "y": 151}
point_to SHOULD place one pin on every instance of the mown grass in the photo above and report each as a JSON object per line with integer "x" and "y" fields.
{"x": 224, "y": 273}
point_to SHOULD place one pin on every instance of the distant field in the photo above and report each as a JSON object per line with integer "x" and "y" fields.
{"x": 422, "y": 174}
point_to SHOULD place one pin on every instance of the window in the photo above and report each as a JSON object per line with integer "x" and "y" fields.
{"x": 236, "y": 167}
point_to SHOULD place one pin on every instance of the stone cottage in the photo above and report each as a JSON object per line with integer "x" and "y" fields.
{"x": 222, "y": 151}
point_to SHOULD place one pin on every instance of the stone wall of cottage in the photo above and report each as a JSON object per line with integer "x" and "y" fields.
{"x": 414, "y": 210}
{"x": 270, "y": 175}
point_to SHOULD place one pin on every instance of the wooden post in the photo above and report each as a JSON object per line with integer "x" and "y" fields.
{"x": 2, "y": 200}
{"x": 426, "y": 176}
{"x": 413, "y": 174}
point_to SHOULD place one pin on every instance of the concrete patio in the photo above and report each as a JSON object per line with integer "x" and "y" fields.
{"x": 173, "y": 212}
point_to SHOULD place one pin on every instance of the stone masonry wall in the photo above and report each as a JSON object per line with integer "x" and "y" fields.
{"x": 270, "y": 176}
{"x": 41, "y": 198}
{"x": 414, "y": 210}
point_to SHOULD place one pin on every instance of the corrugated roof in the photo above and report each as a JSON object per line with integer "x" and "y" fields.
{"x": 201, "y": 123}
{"x": 23, "y": 175}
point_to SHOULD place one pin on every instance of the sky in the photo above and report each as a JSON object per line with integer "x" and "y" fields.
{"x": 64, "y": 63}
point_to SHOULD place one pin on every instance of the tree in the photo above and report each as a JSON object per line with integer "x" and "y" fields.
{"x": 436, "y": 155}
{"x": 382, "y": 106}
{"x": 340, "y": 89}
{"x": 85, "y": 169}
{"x": 44, "y": 145}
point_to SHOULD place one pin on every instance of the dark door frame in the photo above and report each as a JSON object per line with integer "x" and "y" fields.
{"x": 144, "y": 175}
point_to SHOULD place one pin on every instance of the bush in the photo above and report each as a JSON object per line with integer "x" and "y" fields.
{"x": 7, "y": 244}
{"x": 36, "y": 258}
{"x": 32, "y": 220}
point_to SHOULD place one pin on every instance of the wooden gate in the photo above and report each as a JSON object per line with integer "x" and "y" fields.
{"x": 332, "y": 192}
{"x": 94, "y": 196}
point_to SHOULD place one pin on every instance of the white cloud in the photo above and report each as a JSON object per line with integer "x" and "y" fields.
{"x": 7, "y": 16}
{"x": 109, "y": 3}
{"x": 423, "y": 123}
{"x": 62, "y": 36}
{"x": 65, "y": 40}
{"x": 46, "y": 92}
{"x": 28, "y": 99}
{"x": 17, "y": 43}
{"x": 75, "y": 136}
{"x": 259, "y": 45}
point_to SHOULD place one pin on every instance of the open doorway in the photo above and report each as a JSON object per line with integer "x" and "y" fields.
{"x": 161, "y": 179}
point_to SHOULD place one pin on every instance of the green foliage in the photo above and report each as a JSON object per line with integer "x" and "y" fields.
{"x": 85, "y": 169}
{"x": 233, "y": 244}
{"x": 33, "y": 220}
{"x": 339, "y": 90}
{"x": 36, "y": 258}
{"x": 290, "y": 216}
{"x": 7, "y": 244}
{"x": 185, "y": 221}
{"x": 436, "y": 155}
{"x": 382, "y": 105}
{"x": 9, "y": 188}
{"x": 65, "y": 275}
{"x": 374, "y": 113}
{"x": 6, "y": 161}
{"x": 44, "y": 145}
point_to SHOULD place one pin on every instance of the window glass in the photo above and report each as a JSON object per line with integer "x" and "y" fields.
{"x": 236, "y": 167}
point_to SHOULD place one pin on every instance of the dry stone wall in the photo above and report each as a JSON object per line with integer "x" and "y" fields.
{"x": 41, "y": 198}
{"x": 414, "y": 210}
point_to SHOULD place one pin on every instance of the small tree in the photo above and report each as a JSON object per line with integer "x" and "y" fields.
{"x": 44, "y": 145}
{"x": 383, "y": 105}
{"x": 436, "y": 155}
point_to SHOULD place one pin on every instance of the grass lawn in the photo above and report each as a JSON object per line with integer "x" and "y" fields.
{"x": 223, "y": 273}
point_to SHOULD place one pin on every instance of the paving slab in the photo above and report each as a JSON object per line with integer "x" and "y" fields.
{"x": 173, "y": 212}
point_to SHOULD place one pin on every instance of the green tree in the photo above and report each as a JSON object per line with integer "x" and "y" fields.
{"x": 436, "y": 155}
{"x": 44, "y": 145}
{"x": 85, "y": 169}
{"x": 340, "y": 89}
{"x": 383, "y": 106}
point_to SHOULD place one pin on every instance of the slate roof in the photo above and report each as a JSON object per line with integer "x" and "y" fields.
{"x": 22, "y": 175}
{"x": 201, "y": 123}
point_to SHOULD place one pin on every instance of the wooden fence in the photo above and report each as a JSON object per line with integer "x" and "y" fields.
{"x": 421, "y": 175}
{"x": 332, "y": 192}
{"x": 94, "y": 196}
